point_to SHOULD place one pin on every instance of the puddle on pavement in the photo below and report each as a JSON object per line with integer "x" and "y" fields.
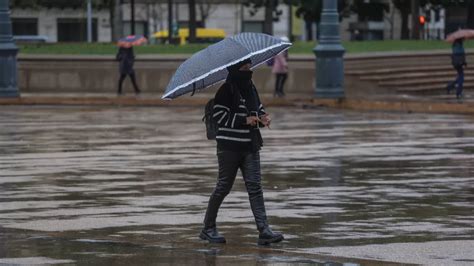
{"x": 132, "y": 178}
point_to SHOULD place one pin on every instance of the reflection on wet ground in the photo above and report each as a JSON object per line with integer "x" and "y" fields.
{"x": 122, "y": 185}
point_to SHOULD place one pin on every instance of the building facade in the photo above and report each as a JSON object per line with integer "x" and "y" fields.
{"x": 69, "y": 25}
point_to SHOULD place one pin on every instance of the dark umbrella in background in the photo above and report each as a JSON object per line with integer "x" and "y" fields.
{"x": 131, "y": 40}
{"x": 208, "y": 66}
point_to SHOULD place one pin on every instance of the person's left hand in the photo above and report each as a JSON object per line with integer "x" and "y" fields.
{"x": 265, "y": 120}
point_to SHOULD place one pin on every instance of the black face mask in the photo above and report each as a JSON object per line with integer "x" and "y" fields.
{"x": 242, "y": 75}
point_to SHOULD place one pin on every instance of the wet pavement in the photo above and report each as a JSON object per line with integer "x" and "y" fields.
{"x": 129, "y": 186}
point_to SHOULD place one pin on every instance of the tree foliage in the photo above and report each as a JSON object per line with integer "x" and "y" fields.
{"x": 255, "y": 5}
{"x": 310, "y": 10}
{"x": 373, "y": 10}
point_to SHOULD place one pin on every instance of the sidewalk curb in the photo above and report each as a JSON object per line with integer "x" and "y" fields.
{"x": 396, "y": 106}
{"x": 348, "y": 103}
{"x": 130, "y": 101}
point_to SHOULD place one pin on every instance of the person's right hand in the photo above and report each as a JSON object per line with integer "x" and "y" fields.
{"x": 252, "y": 120}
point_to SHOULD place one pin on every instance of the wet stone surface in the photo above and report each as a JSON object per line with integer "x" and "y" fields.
{"x": 122, "y": 185}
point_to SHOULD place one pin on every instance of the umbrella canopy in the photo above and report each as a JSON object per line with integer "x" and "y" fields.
{"x": 460, "y": 34}
{"x": 208, "y": 66}
{"x": 131, "y": 40}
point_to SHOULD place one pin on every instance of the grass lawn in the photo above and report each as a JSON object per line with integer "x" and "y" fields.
{"x": 298, "y": 47}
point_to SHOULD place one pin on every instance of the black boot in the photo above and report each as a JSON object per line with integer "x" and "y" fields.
{"x": 267, "y": 236}
{"x": 211, "y": 235}
{"x": 210, "y": 232}
{"x": 257, "y": 203}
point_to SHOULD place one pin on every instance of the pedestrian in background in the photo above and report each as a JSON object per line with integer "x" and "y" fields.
{"x": 280, "y": 69}
{"x": 458, "y": 60}
{"x": 126, "y": 59}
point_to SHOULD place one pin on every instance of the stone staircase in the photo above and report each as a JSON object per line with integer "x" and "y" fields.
{"x": 408, "y": 73}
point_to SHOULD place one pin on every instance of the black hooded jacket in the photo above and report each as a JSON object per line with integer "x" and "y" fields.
{"x": 126, "y": 57}
{"x": 235, "y": 100}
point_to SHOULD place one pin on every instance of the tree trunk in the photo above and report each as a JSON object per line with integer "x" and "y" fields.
{"x": 268, "y": 23}
{"x": 116, "y": 20}
{"x": 132, "y": 15}
{"x": 203, "y": 12}
{"x": 192, "y": 21}
{"x": 309, "y": 30}
{"x": 170, "y": 21}
{"x": 405, "y": 34}
{"x": 415, "y": 25}
{"x": 470, "y": 16}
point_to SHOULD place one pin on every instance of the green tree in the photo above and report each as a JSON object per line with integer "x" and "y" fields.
{"x": 374, "y": 10}
{"x": 469, "y": 4}
{"x": 272, "y": 13}
{"x": 404, "y": 6}
{"x": 310, "y": 11}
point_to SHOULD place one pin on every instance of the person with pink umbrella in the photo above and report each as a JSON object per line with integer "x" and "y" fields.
{"x": 458, "y": 59}
{"x": 126, "y": 58}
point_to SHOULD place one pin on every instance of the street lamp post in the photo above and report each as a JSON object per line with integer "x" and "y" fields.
{"x": 8, "y": 52}
{"x": 89, "y": 21}
{"x": 329, "y": 55}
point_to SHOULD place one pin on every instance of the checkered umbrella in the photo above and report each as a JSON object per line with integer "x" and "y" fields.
{"x": 208, "y": 66}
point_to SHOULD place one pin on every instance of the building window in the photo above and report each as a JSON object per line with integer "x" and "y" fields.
{"x": 75, "y": 30}
{"x": 25, "y": 26}
{"x": 252, "y": 26}
{"x": 141, "y": 28}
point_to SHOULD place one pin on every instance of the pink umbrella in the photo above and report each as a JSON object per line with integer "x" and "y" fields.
{"x": 460, "y": 34}
{"x": 131, "y": 40}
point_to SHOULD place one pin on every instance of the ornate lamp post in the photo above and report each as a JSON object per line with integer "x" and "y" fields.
{"x": 8, "y": 51}
{"x": 329, "y": 55}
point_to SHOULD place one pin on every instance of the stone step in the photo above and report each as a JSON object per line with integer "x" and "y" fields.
{"x": 398, "y": 63}
{"x": 373, "y": 64}
{"x": 415, "y": 82}
{"x": 413, "y": 75}
{"x": 393, "y": 70}
{"x": 430, "y": 88}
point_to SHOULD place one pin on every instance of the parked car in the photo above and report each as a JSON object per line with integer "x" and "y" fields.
{"x": 203, "y": 35}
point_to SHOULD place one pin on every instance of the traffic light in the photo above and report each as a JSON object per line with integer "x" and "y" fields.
{"x": 422, "y": 20}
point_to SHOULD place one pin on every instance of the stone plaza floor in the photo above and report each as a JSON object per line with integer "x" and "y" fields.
{"x": 129, "y": 186}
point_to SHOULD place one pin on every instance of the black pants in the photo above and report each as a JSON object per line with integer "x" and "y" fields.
{"x": 280, "y": 81}
{"x": 249, "y": 165}
{"x": 134, "y": 82}
{"x": 458, "y": 82}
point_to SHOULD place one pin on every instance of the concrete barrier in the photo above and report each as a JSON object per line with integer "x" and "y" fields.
{"x": 99, "y": 74}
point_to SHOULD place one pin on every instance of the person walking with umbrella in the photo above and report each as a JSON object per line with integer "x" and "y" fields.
{"x": 239, "y": 114}
{"x": 280, "y": 69}
{"x": 126, "y": 58}
{"x": 458, "y": 60}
